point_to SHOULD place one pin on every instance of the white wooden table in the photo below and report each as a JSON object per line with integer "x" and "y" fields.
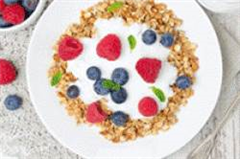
{"x": 22, "y": 134}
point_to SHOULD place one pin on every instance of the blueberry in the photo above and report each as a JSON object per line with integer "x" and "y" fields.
{"x": 183, "y": 82}
{"x": 149, "y": 37}
{"x": 98, "y": 87}
{"x": 73, "y": 92}
{"x": 4, "y": 23}
{"x": 119, "y": 118}
{"x": 119, "y": 96}
{"x": 120, "y": 76}
{"x": 30, "y": 5}
{"x": 13, "y": 102}
{"x": 94, "y": 73}
{"x": 10, "y": 1}
{"x": 167, "y": 40}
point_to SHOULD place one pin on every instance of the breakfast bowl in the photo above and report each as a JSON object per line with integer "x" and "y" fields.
{"x": 28, "y": 15}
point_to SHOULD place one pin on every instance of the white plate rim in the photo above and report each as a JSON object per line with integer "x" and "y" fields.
{"x": 82, "y": 154}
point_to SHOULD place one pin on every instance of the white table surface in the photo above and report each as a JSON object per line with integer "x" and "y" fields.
{"x": 22, "y": 135}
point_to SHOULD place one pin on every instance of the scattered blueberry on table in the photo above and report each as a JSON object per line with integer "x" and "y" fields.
{"x": 13, "y": 102}
{"x": 119, "y": 118}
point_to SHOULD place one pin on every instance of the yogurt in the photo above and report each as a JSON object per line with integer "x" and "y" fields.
{"x": 136, "y": 87}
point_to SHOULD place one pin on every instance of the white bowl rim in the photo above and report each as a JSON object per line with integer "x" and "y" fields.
{"x": 28, "y": 21}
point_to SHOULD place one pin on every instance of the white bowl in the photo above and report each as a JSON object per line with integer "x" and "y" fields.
{"x": 28, "y": 21}
{"x": 222, "y": 6}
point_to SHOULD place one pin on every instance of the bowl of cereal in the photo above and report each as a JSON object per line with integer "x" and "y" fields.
{"x": 18, "y": 14}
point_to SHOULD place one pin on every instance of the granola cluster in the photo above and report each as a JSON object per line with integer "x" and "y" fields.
{"x": 182, "y": 56}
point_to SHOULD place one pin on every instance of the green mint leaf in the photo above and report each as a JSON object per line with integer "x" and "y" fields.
{"x": 132, "y": 42}
{"x": 108, "y": 84}
{"x": 159, "y": 93}
{"x": 56, "y": 79}
{"x": 114, "y": 6}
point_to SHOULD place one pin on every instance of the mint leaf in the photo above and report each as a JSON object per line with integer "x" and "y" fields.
{"x": 109, "y": 84}
{"x": 114, "y": 6}
{"x": 56, "y": 79}
{"x": 159, "y": 93}
{"x": 132, "y": 42}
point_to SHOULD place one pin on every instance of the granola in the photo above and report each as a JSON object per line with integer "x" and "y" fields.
{"x": 182, "y": 56}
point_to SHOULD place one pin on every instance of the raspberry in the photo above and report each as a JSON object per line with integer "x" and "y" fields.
{"x": 95, "y": 114}
{"x": 69, "y": 48}
{"x": 109, "y": 47}
{"x": 148, "y": 69}
{"x": 7, "y": 72}
{"x": 148, "y": 107}
{"x": 14, "y": 14}
{"x": 2, "y": 5}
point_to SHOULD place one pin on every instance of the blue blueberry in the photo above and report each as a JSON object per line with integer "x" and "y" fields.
{"x": 167, "y": 40}
{"x": 149, "y": 37}
{"x": 73, "y": 92}
{"x": 30, "y": 5}
{"x": 10, "y": 1}
{"x": 183, "y": 82}
{"x": 119, "y": 96}
{"x": 120, "y": 76}
{"x": 4, "y": 23}
{"x": 119, "y": 118}
{"x": 99, "y": 89}
{"x": 94, "y": 73}
{"x": 13, "y": 102}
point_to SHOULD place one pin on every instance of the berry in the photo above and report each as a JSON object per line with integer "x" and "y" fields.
{"x": 149, "y": 37}
{"x": 73, "y": 92}
{"x": 2, "y": 5}
{"x": 120, "y": 96}
{"x": 94, "y": 73}
{"x": 183, "y": 82}
{"x": 69, "y": 48}
{"x": 4, "y": 23}
{"x": 148, "y": 69}
{"x": 99, "y": 89}
{"x": 148, "y": 107}
{"x": 7, "y": 72}
{"x": 13, "y": 14}
{"x": 13, "y": 102}
{"x": 30, "y": 5}
{"x": 167, "y": 40}
{"x": 95, "y": 114}
{"x": 109, "y": 47}
{"x": 119, "y": 118}
{"x": 8, "y": 2}
{"x": 120, "y": 76}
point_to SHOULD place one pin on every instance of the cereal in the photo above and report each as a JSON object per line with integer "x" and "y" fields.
{"x": 182, "y": 56}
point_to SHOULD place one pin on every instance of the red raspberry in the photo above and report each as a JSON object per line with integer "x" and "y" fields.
{"x": 14, "y": 14}
{"x": 109, "y": 47}
{"x": 7, "y": 72}
{"x": 148, "y": 107}
{"x": 95, "y": 114}
{"x": 148, "y": 69}
{"x": 69, "y": 48}
{"x": 2, "y": 5}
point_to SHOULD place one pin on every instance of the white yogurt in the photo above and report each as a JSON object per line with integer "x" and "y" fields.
{"x": 136, "y": 87}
